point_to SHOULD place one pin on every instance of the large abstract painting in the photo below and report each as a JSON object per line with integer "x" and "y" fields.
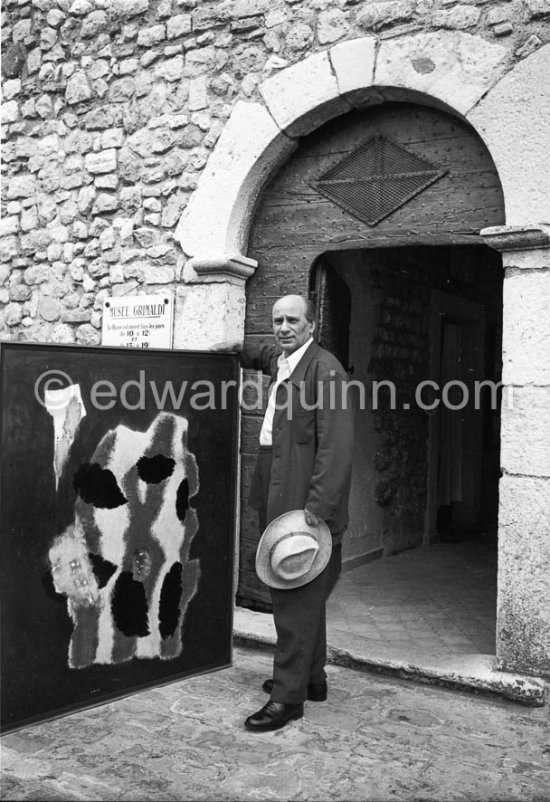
{"x": 117, "y": 510}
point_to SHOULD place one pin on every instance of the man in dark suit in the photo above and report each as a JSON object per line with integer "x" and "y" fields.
{"x": 305, "y": 461}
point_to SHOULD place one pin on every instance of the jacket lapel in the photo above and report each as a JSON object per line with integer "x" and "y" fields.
{"x": 298, "y": 374}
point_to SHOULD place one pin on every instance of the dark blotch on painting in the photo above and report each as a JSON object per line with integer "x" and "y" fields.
{"x": 182, "y": 499}
{"x": 98, "y": 486}
{"x": 170, "y": 595}
{"x": 103, "y": 569}
{"x": 155, "y": 469}
{"x": 129, "y": 606}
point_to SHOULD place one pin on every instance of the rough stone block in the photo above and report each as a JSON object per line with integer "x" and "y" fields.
{"x": 526, "y": 327}
{"x": 12, "y": 314}
{"x": 529, "y": 46}
{"x": 88, "y": 335}
{"x": 248, "y": 8}
{"x": 299, "y": 37}
{"x": 173, "y": 210}
{"x": 49, "y": 309}
{"x": 198, "y": 95}
{"x": 128, "y": 66}
{"x": 94, "y": 23}
{"x": 200, "y": 61}
{"x": 503, "y": 29}
{"x": 377, "y": 15}
{"x": 498, "y": 14}
{"x": 79, "y": 8}
{"x": 458, "y": 18}
{"x": 23, "y": 186}
{"x": 128, "y": 8}
{"x": 9, "y": 112}
{"x": 20, "y": 293}
{"x": 208, "y": 15}
{"x": 13, "y": 60}
{"x": 62, "y": 333}
{"x": 37, "y": 274}
{"x": 523, "y": 608}
{"x": 104, "y": 203}
{"x": 122, "y": 90}
{"x": 151, "y": 36}
{"x": 106, "y": 181}
{"x": 516, "y": 132}
{"x": 525, "y": 424}
{"x": 21, "y": 30}
{"x": 208, "y": 313}
{"x": 11, "y": 89}
{"x": 29, "y": 219}
{"x": 332, "y": 25}
{"x": 456, "y": 67}
{"x": 112, "y": 138}
{"x": 304, "y": 96}
{"x": 104, "y": 161}
{"x": 158, "y": 274}
{"x": 172, "y": 68}
{"x": 44, "y": 106}
{"x": 58, "y": 233}
{"x": 276, "y": 16}
{"x": 55, "y": 17}
{"x": 78, "y": 88}
{"x": 178, "y": 25}
{"x": 9, "y": 225}
{"x": 25, "y": 147}
{"x": 538, "y": 9}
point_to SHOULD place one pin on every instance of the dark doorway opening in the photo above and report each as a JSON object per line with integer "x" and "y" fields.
{"x": 419, "y": 329}
{"x": 420, "y": 556}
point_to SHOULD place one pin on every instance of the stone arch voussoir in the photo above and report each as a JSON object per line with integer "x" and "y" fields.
{"x": 454, "y": 70}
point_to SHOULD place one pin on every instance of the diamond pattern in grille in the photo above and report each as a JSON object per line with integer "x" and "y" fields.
{"x": 377, "y": 178}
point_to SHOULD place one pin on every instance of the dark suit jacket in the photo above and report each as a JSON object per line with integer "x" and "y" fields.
{"x": 312, "y": 436}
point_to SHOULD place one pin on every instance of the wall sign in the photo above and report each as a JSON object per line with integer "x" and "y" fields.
{"x": 117, "y": 510}
{"x": 138, "y": 321}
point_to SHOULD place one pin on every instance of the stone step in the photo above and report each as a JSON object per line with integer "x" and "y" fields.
{"x": 474, "y": 673}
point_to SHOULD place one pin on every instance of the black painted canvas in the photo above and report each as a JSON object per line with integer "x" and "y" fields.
{"x": 117, "y": 510}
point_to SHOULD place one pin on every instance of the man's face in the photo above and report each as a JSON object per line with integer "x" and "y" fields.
{"x": 290, "y": 325}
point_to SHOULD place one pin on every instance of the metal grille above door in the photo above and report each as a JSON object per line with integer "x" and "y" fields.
{"x": 377, "y": 178}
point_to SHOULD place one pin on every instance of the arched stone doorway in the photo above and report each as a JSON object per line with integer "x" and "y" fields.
{"x": 431, "y": 182}
{"x": 508, "y": 107}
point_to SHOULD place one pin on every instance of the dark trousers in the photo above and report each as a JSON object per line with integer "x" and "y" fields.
{"x": 299, "y": 614}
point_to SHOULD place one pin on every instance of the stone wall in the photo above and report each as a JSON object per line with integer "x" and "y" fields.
{"x": 111, "y": 109}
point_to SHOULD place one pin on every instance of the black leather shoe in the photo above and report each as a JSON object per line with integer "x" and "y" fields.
{"x": 273, "y": 716}
{"x": 316, "y": 691}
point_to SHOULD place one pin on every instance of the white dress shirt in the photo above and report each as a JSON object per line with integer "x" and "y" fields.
{"x": 286, "y": 366}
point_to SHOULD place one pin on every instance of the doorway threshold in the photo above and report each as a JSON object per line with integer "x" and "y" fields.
{"x": 474, "y": 673}
{"x": 426, "y": 614}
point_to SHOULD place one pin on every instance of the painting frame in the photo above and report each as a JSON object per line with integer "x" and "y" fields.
{"x": 67, "y": 650}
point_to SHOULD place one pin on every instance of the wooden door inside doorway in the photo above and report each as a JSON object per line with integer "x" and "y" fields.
{"x": 456, "y": 427}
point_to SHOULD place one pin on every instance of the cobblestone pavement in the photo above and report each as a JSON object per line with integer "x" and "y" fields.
{"x": 374, "y": 739}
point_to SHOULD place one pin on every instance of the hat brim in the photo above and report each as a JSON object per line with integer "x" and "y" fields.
{"x": 289, "y": 522}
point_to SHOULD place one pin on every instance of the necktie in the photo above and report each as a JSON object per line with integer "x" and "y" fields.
{"x": 283, "y": 373}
